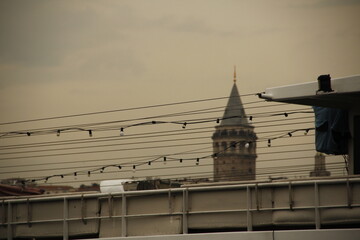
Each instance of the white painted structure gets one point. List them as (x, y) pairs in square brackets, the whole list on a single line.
[(328, 234), (346, 93), (251, 209)]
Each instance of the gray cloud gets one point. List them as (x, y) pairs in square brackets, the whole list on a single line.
[(335, 3), (43, 33), (325, 3)]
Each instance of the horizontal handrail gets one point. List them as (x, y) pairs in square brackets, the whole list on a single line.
[(350, 179)]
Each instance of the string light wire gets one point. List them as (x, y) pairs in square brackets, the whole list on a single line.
[(180, 122), (117, 125), (165, 159), (123, 109), (129, 149)]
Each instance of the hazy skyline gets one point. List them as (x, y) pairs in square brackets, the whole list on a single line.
[(69, 57)]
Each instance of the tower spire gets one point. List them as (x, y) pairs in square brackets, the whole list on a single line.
[(234, 73), (234, 113)]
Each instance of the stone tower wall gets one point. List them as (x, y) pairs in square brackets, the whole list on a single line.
[(234, 150)]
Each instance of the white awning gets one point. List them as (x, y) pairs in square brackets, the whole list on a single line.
[(345, 94)]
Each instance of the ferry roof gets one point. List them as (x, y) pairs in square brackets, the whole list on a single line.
[(346, 92)]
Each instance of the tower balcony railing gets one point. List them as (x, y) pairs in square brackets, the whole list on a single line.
[(244, 135)]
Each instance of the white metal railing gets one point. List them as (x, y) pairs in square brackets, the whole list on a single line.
[(252, 205)]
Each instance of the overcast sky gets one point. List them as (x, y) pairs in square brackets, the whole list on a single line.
[(64, 57), (69, 57)]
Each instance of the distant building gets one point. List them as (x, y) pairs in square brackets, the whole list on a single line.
[(18, 187), (95, 187), (16, 190), (21, 187), (320, 166), (14, 181), (56, 189), (234, 143)]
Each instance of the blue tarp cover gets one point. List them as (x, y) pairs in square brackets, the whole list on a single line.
[(332, 130)]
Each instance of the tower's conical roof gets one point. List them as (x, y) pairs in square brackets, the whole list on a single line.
[(234, 112)]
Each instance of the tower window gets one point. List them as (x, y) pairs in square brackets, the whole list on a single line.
[(216, 147), (233, 146), (224, 145)]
